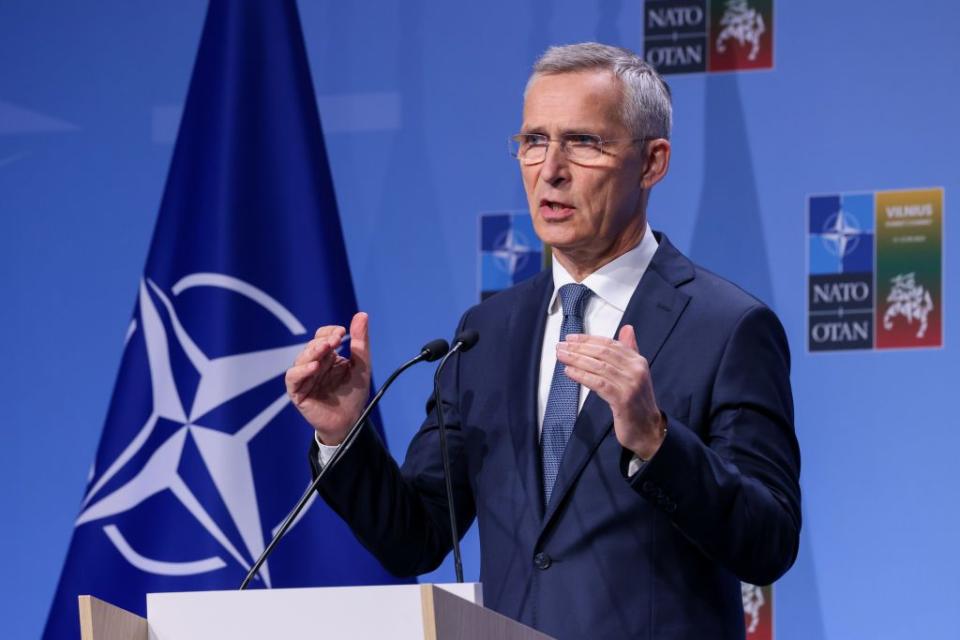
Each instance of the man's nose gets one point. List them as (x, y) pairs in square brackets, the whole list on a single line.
[(555, 168)]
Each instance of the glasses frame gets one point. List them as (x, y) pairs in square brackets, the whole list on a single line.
[(564, 140)]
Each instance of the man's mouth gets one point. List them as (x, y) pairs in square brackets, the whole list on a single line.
[(554, 209)]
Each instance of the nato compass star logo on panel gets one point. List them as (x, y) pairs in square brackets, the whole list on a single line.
[(841, 234), (510, 251), (185, 453), (848, 245)]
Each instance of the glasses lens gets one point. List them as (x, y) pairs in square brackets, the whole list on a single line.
[(583, 147), (530, 148)]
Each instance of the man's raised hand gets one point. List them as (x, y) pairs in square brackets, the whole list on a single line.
[(329, 390)]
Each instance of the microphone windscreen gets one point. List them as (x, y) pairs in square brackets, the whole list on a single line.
[(435, 349), (467, 339)]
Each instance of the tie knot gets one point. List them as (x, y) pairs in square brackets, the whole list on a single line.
[(573, 297)]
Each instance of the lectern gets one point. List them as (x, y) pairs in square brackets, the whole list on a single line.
[(421, 612)]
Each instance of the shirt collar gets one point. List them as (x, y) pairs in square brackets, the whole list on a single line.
[(614, 282)]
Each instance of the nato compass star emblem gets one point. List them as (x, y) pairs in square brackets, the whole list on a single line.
[(225, 455), (509, 251), (841, 233), (512, 250)]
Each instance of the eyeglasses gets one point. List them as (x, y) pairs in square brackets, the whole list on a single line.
[(582, 148)]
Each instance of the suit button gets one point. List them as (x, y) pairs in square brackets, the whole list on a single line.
[(542, 561)]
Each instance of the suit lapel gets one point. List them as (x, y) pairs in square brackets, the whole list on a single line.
[(654, 309), (525, 336)]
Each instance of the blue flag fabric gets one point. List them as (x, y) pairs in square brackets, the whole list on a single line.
[(202, 454)]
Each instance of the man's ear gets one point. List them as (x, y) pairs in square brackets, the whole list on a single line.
[(657, 162)]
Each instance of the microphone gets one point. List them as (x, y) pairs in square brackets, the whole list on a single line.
[(464, 341), (433, 350)]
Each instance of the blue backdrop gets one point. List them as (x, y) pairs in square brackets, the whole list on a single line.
[(417, 99)]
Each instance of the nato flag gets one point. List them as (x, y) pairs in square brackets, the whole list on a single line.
[(202, 455)]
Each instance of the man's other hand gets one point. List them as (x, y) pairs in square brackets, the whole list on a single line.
[(615, 371)]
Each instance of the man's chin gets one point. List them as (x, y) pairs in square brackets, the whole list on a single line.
[(557, 244), (557, 234), (564, 248)]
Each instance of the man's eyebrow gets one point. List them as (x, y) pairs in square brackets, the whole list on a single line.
[(563, 132)]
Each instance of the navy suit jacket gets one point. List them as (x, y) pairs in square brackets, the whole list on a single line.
[(658, 555)]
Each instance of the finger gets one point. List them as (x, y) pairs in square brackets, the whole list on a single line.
[(360, 338), (338, 374), (298, 377), (602, 386), (600, 364), (614, 353), (628, 337), (589, 339), (302, 379), (624, 352), (336, 337), (314, 350), (330, 330)]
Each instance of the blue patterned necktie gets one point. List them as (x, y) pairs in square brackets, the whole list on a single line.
[(564, 398)]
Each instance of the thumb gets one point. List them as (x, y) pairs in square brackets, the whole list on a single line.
[(628, 337), (360, 338)]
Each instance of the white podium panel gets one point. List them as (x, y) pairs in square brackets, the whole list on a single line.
[(331, 612), (415, 612)]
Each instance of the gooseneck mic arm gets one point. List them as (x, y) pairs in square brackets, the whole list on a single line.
[(431, 351), (463, 342)]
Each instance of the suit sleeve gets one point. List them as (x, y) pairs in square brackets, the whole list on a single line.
[(400, 513), (735, 493)]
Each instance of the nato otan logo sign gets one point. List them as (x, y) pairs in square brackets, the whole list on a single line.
[(684, 36), (510, 251), (875, 264)]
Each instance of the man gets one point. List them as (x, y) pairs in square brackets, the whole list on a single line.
[(623, 431)]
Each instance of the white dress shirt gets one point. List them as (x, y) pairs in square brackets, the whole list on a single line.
[(612, 285)]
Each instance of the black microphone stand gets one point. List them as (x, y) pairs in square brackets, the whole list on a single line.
[(462, 342)]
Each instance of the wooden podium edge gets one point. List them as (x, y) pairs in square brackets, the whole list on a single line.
[(429, 612), (449, 617), (100, 620)]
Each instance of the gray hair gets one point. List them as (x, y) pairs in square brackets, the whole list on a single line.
[(646, 105)]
